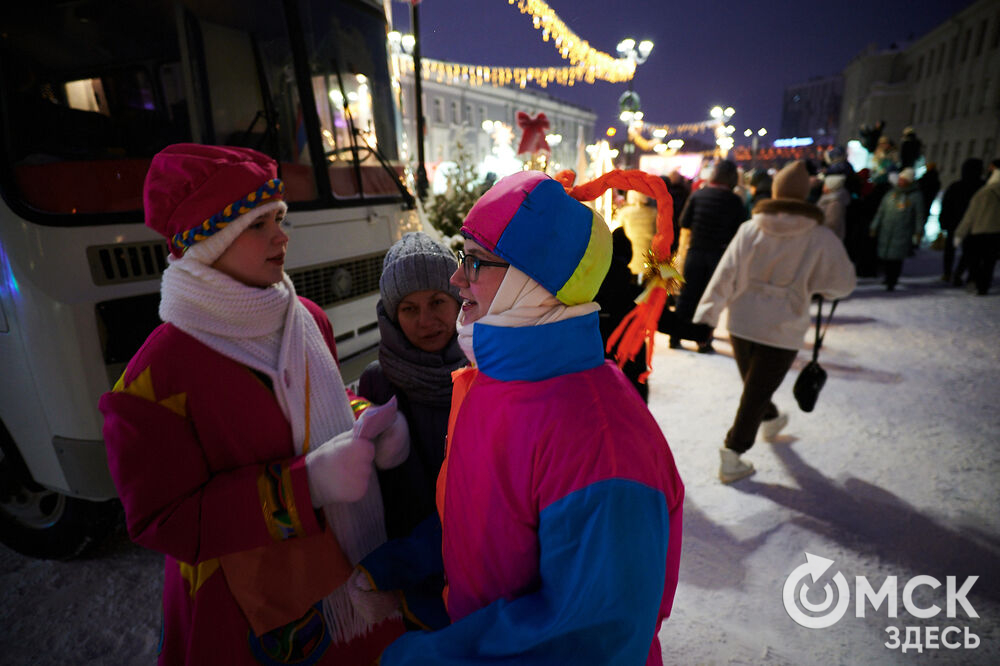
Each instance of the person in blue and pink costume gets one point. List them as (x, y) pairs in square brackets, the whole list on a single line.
[(559, 499)]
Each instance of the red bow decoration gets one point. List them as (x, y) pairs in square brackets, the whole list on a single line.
[(533, 139), (661, 277)]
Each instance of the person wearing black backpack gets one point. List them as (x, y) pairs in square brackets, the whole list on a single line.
[(774, 265)]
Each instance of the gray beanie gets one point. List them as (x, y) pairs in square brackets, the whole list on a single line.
[(414, 263)]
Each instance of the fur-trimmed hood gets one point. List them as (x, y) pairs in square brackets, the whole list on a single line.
[(789, 206)]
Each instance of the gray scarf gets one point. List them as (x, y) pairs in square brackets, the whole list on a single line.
[(424, 377)]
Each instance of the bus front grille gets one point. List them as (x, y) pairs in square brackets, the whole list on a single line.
[(126, 262), (326, 284), (341, 281)]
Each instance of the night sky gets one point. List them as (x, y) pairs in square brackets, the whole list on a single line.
[(739, 54)]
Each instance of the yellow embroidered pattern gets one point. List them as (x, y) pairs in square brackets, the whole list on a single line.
[(197, 574), (142, 387)]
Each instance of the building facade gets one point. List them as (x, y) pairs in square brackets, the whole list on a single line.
[(455, 113), (812, 109), (946, 85)]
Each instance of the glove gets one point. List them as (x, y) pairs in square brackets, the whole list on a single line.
[(373, 605), (340, 469), (387, 428)]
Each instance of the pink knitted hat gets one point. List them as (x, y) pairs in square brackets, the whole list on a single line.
[(193, 191)]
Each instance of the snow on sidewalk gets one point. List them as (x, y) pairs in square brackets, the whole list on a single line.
[(893, 474)]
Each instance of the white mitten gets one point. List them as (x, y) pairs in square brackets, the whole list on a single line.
[(339, 470), (373, 605), (387, 428)]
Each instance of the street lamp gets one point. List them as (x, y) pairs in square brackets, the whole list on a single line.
[(628, 103), (754, 136), (723, 130)]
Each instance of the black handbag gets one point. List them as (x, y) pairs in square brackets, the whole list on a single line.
[(812, 377)]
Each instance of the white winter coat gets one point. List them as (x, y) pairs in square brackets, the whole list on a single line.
[(770, 271)]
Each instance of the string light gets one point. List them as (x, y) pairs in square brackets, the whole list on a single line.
[(587, 65), (571, 47), (478, 75)]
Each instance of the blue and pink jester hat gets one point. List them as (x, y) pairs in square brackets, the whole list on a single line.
[(530, 221)]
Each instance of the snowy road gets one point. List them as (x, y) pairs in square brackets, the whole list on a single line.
[(894, 474)]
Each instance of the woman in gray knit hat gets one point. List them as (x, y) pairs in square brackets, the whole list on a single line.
[(417, 354)]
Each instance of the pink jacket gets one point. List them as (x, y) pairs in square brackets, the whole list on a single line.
[(203, 461), (561, 510)]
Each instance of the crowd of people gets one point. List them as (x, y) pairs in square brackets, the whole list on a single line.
[(496, 489), (761, 244)]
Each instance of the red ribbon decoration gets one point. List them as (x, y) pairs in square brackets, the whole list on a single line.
[(639, 325), (533, 139)]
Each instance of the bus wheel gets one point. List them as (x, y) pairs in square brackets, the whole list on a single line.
[(39, 522)]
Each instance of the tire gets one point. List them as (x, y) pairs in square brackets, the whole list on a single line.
[(45, 524)]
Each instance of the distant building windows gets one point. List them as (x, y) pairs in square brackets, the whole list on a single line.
[(438, 110), (980, 38)]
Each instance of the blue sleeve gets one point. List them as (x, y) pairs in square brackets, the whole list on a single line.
[(400, 563), (603, 552)]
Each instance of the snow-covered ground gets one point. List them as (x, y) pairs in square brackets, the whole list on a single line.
[(894, 474)]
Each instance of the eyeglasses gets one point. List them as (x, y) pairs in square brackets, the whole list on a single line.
[(471, 265)]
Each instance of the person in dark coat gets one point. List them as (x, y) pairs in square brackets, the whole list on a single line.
[(910, 149), (417, 353), (709, 221), (679, 189), (617, 298), (953, 204)]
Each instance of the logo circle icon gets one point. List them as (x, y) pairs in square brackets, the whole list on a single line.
[(814, 567)]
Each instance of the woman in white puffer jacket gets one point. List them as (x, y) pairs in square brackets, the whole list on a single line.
[(767, 277)]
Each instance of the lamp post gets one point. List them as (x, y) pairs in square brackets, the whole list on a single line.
[(628, 103), (754, 136), (418, 94), (723, 130)]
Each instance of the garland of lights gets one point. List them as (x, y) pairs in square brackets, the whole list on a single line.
[(478, 75), (571, 47), (685, 128), (587, 64)]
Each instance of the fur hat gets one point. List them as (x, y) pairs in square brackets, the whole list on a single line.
[(414, 263), (202, 197), (792, 182), (528, 219)]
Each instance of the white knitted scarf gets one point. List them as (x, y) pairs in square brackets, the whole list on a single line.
[(520, 301), (270, 331)]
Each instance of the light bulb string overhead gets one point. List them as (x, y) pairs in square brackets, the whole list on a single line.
[(569, 45), (587, 64), (478, 75)]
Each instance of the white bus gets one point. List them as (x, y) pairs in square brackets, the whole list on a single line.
[(90, 90)]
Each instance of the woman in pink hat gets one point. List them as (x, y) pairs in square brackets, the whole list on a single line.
[(232, 441)]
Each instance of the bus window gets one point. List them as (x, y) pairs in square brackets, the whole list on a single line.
[(353, 93), (91, 90)]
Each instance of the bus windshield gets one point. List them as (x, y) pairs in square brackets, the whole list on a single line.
[(91, 90)]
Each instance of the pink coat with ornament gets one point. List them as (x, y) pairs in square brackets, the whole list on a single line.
[(203, 460)]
